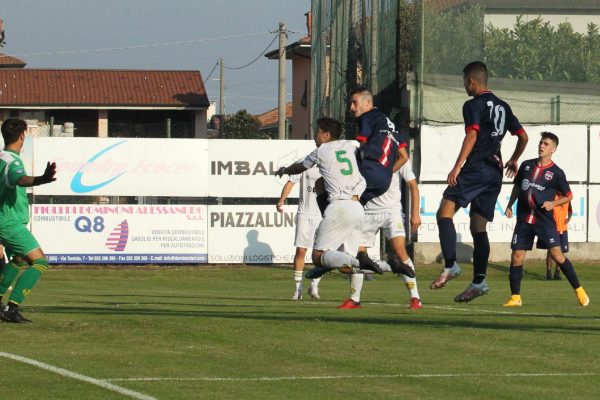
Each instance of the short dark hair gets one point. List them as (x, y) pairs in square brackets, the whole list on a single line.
[(333, 126), (551, 136), (360, 89), (12, 129), (477, 70)]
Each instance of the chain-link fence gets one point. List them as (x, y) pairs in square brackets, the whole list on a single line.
[(543, 59), (357, 42)]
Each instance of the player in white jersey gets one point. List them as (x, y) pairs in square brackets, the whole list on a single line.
[(341, 225), (307, 220), (385, 213)]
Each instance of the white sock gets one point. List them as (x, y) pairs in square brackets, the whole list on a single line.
[(356, 283), (337, 259), (298, 280), (315, 282), (385, 267), (411, 283)]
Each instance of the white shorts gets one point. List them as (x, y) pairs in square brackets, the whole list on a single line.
[(391, 225), (306, 228), (341, 226)]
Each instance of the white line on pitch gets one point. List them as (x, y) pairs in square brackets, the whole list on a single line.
[(74, 375), (331, 377)]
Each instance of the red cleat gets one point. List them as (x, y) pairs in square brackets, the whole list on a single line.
[(415, 304), (348, 304)]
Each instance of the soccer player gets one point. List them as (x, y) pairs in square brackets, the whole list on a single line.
[(342, 222), (536, 184), (382, 150), (307, 220), (476, 177), (562, 216), (22, 248), (385, 213)]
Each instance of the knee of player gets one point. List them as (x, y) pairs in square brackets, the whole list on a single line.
[(557, 255), (316, 257)]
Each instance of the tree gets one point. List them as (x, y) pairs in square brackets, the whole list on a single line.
[(242, 125)]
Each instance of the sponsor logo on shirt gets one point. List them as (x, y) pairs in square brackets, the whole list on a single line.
[(526, 185)]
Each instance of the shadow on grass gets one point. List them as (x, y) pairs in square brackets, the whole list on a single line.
[(433, 321)]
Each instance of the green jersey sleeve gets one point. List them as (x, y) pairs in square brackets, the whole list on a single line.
[(16, 170)]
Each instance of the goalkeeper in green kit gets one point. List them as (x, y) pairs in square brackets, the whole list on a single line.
[(22, 248)]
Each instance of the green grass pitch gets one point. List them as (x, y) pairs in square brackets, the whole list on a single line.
[(232, 333)]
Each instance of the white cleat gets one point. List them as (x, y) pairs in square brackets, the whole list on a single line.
[(297, 296), (313, 292)]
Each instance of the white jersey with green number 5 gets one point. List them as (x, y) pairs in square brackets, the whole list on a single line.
[(337, 164)]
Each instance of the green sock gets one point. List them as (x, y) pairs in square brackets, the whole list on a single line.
[(27, 280), (9, 273)]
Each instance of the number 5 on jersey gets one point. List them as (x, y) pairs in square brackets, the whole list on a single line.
[(339, 155)]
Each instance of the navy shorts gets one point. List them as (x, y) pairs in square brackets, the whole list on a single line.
[(378, 180), (479, 186), (563, 239), (525, 233)]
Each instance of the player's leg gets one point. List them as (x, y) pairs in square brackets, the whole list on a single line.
[(38, 264), (447, 234), (342, 219), (356, 283), (298, 271), (481, 247), (398, 245), (564, 246), (515, 276), (569, 272), (549, 265)]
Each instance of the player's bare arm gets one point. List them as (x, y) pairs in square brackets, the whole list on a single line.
[(401, 159), (415, 204), (512, 164), (465, 150), (48, 176), (513, 196), (549, 205), (285, 192)]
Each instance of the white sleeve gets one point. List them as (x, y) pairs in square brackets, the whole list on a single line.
[(311, 159), (294, 178), (406, 172)]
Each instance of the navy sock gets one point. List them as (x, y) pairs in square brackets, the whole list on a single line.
[(514, 277), (481, 254), (447, 240), (568, 271)]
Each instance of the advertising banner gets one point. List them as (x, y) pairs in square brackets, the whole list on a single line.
[(440, 146), (501, 229), (123, 167), (594, 228), (117, 234), (254, 235), (246, 168), (594, 151)]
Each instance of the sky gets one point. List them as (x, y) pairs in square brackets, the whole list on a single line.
[(148, 34)]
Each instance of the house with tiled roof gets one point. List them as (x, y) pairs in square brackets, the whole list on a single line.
[(105, 103), (299, 53), (269, 120)]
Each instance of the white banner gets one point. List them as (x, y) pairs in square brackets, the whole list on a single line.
[(254, 235), (123, 167), (594, 151), (501, 229), (440, 146), (246, 168), (113, 234), (594, 228)]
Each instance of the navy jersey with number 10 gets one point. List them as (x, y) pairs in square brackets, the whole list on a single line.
[(491, 118)]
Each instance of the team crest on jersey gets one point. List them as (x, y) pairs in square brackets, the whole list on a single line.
[(548, 175)]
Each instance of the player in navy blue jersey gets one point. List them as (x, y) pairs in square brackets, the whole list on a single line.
[(382, 150), (476, 177), (536, 185)]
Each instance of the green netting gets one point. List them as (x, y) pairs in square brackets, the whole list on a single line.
[(355, 42), (548, 72)]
